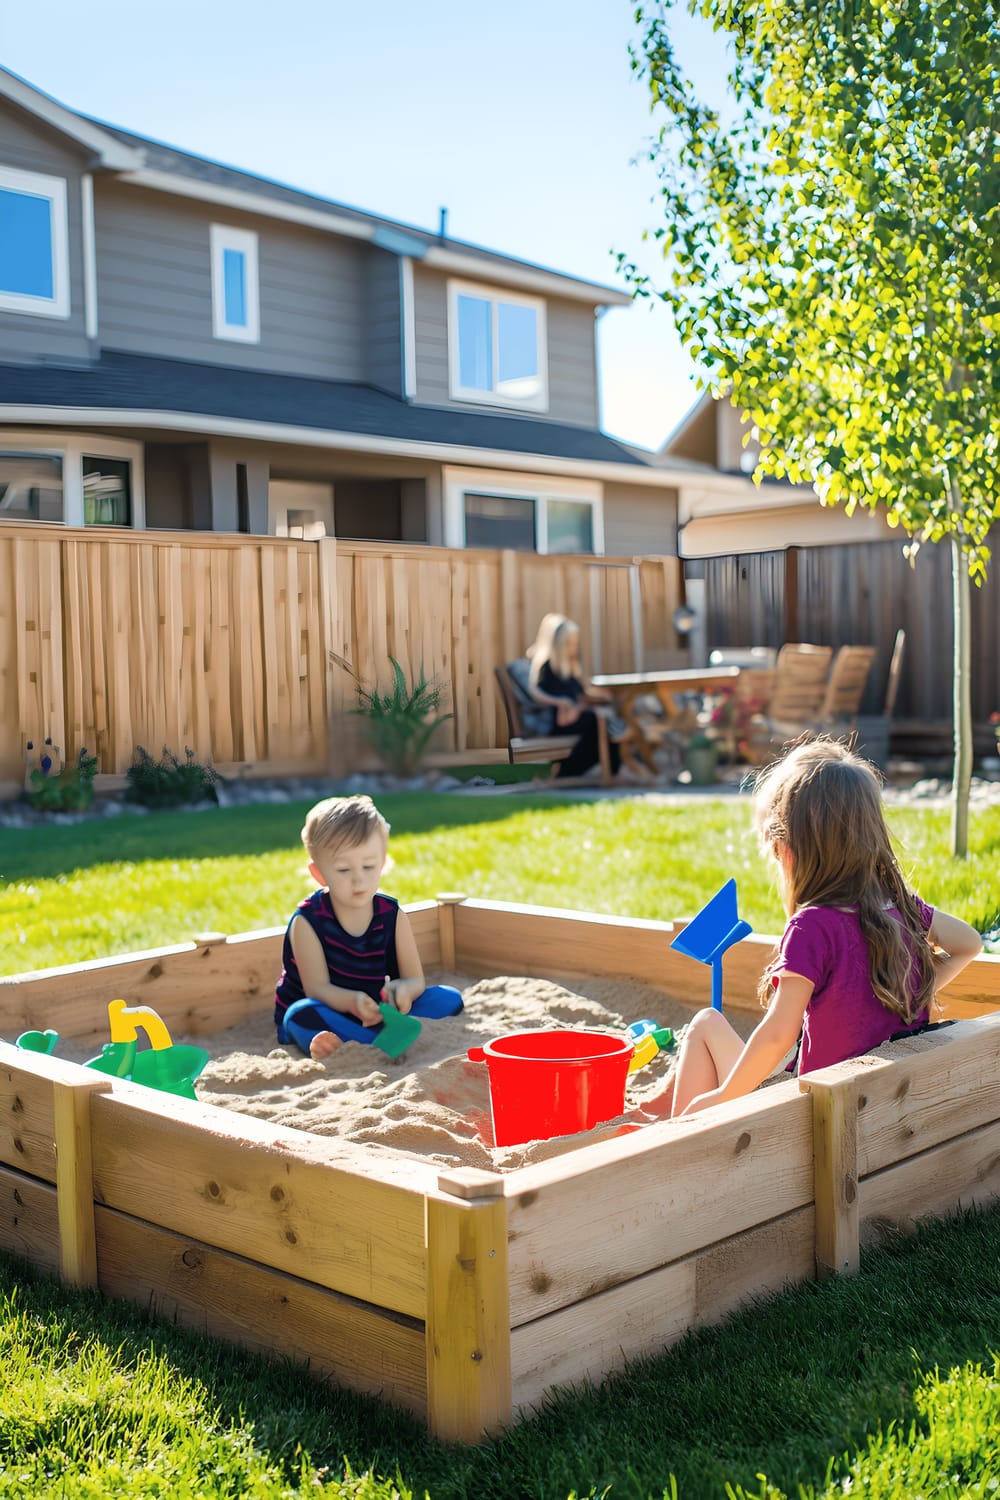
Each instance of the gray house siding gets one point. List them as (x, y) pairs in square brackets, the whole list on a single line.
[(572, 352), (639, 520), (31, 147), (384, 339), (155, 287)]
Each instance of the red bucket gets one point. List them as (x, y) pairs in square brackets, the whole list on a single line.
[(546, 1083)]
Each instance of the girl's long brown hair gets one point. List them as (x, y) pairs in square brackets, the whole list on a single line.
[(825, 803)]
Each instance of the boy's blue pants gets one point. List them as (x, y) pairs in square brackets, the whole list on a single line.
[(306, 1017)]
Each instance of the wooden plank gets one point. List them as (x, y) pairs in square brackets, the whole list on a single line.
[(230, 1297), (468, 1318), (925, 1090), (835, 1155), (196, 988), (961, 1172), (27, 1108), (74, 1175), (591, 1338), (270, 1194), (29, 1220), (592, 1219), (490, 935)]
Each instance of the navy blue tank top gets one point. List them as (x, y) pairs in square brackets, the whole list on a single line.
[(353, 963)]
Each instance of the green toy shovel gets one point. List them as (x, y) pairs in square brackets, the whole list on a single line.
[(398, 1031)]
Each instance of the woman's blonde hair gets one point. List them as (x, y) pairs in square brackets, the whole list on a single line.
[(553, 643), (342, 823), (824, 803)]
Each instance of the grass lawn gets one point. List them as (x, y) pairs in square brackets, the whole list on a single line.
[(70, 893), (884, 1384)]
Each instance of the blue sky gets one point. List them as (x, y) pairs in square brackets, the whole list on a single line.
[(522, 118)]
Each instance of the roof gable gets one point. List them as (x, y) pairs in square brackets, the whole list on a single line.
[(109, 151)]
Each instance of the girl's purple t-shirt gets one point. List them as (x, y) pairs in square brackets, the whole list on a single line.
[(844, 1017)]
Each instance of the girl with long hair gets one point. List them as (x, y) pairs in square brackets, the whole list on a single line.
[(861, 957)]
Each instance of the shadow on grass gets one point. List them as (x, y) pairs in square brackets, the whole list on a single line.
[(43, 852), (783, 1388)]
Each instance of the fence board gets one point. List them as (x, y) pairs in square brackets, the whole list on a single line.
[(221, 643)]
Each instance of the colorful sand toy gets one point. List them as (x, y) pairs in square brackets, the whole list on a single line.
[(707, 936), (648, 1039), (164, 1065)]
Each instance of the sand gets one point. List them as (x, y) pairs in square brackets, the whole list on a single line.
[(433, 1103)]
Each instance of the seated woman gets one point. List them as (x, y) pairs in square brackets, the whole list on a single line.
[(556, 679)]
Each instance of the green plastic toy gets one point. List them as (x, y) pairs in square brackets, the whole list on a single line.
[(398, 1031), (165, 1066)]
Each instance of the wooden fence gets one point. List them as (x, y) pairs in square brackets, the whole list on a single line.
[(248, 649), (861, 594)]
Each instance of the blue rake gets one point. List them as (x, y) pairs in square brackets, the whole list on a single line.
[(716, 927)]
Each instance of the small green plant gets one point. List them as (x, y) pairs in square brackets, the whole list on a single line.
[(169, 781), (399, 724), (53, 787)]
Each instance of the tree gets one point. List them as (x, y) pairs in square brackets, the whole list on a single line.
[(832, 259)]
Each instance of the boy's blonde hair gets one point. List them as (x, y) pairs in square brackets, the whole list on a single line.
[(342, 823)]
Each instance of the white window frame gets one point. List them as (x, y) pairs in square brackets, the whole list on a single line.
[(71, 447), (40, 185), (222, 238), (495, 295), (457, 483)]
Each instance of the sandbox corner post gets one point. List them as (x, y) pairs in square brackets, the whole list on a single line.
[(75, 1176), (835, 1166), (447, 901), (467, 1331)]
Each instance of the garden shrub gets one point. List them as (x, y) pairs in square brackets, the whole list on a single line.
[(169, 781)]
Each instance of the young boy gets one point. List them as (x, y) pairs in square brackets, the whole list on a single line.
[(347, 945)]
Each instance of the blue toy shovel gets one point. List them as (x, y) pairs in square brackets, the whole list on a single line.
[(716, 928)]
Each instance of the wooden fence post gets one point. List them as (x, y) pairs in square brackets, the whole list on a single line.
[(75, 1177), (326, 555), (835, 1159), (447, 901), (468, 1308)]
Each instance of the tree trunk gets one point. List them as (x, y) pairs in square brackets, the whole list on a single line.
[(961, 701)]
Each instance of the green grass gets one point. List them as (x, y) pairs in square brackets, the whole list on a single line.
[(828, 1389), (117, 885), (883, 1384)]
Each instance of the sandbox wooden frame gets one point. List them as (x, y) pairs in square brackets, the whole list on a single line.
[(464, 1295)]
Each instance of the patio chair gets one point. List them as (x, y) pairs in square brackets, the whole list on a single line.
[(797, 688), (528, 721), (845, 686)]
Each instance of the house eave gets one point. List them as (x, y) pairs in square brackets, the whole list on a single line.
[(108, 151), (354, 442)]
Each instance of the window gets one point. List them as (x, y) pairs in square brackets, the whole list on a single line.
[(500, 521), (497, 347), (31, 487), (34, 244), (235, 296), (525, 512), (107, 491), (79, 481)]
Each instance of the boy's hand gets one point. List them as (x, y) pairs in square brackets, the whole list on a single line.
[(366, 1009), (399, 992)]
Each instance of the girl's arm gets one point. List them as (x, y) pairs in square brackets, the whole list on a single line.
[(315, 976), (776, 1035), (960, 943), (411, 983)]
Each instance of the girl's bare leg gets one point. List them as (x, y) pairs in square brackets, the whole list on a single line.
[(708, 1052)]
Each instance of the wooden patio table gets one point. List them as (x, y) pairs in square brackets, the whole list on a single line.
[(626, 687)]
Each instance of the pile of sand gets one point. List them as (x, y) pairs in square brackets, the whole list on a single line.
[(433, 1102)]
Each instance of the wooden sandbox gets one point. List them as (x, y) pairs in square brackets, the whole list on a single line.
[(465, 1295)]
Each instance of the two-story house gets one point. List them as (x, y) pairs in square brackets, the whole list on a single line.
[(187, 345)]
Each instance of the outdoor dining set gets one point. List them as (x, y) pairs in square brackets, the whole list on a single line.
[(739, 708)]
